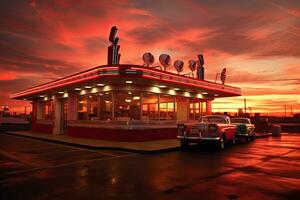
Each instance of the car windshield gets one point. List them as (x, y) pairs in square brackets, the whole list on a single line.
[(213, 119), (239, 121)]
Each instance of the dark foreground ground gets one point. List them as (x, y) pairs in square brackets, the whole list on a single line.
[(267, 168)]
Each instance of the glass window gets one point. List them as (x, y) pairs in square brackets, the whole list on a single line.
[(93, 106), (149, 106), (167, 107), (48, 110), (106, 109), (127, 106), (83, 108), (191, 109)]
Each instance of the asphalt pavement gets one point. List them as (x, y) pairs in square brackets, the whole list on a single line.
[(266, 168)]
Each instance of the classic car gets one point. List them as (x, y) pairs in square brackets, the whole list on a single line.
[(244, 128), (215, 128)]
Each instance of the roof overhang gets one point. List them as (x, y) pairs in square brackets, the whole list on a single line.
[(140, 75)]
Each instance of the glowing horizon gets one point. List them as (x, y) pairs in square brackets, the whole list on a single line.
[(257, 41)]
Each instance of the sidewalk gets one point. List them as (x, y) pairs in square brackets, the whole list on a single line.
[(142, 147)]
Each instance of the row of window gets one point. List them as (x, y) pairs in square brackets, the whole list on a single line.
[(129, 106)]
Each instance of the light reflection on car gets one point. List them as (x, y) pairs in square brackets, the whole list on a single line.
[(213, 128), (244, 128)]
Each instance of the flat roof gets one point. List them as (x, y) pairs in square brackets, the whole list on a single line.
[(118, 74)]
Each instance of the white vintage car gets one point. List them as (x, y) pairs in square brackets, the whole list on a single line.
[(244, 128)]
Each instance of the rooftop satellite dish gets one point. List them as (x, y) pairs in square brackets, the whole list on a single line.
[(178, 64), (165, 60), (192, 65), (148, 59)]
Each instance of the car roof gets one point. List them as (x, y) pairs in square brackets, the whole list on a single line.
[(223, 116), (240, 118)]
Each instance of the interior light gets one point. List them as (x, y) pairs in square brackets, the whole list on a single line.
[(176, 89), (128, 82), (100, 84), (60, 92), (129, 92), (100, 94), (77, 89), (42, 96), (88, 87), (136, 98), (162, 86), (216, 95), (204, 93), (128, 100)]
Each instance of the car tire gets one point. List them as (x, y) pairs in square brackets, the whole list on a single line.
[(248, 139), (221, 143), (184, 144), (233, 142)]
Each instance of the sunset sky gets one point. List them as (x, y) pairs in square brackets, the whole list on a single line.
[(257, 41)]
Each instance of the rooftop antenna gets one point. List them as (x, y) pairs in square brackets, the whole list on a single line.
[(113, 55), (165, 61), (223, 76), (200, 68), (178, 64)]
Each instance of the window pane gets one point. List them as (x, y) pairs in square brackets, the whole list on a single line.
[(105, 106), (167, 109), (150, 106), (82, 108), (127, 106), (48, 110)]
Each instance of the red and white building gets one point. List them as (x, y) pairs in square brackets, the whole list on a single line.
[(121, 102)]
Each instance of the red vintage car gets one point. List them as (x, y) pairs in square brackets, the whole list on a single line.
[(214, 128)]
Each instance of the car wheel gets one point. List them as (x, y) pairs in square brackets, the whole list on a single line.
[(233, 140), (221, 143), (248, 139), (184, 144)]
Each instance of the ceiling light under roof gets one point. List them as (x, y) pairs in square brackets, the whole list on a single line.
[(216, 95), (60, 92), (100, 84), (128, 100), (176, 89), (42, 96), (204, 93), (162, 86), (128, 82), (77, 89), (87, 87)]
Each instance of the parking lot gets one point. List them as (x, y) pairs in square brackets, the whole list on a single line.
[(266, 168)]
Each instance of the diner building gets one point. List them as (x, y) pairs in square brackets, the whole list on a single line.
[(121, 102)]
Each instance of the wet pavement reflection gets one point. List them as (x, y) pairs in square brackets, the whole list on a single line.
[(267, 168)]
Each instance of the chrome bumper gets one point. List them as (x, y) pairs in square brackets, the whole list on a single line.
[(198, 138)]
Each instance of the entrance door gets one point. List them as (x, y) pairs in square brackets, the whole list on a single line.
[(63, 119)]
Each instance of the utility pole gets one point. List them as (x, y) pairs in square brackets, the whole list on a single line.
[(284, 110), (245, 105)]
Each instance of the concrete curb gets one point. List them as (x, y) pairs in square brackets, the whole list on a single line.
[(95, 147)]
